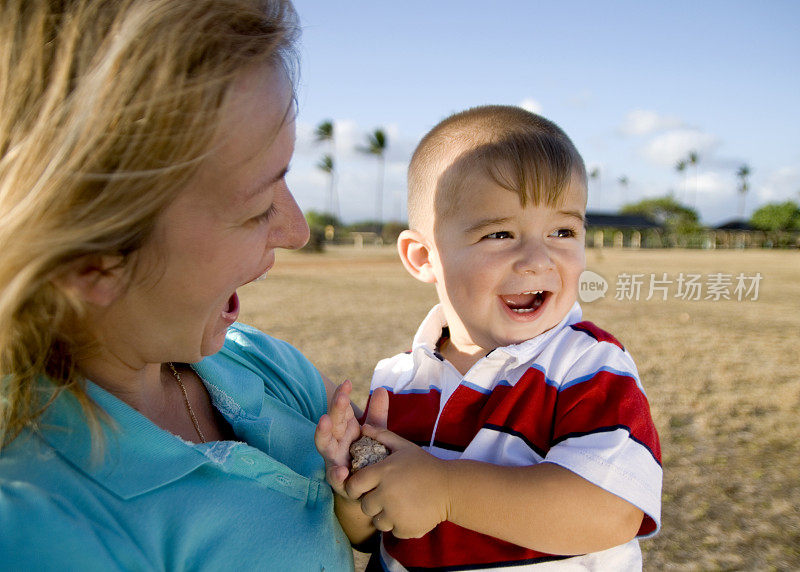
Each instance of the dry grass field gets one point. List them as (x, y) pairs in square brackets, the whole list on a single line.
[(722, 377)]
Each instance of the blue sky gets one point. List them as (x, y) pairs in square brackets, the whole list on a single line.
[(636, 85)]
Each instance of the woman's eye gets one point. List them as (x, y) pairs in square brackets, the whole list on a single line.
[(563, 233), (266, 215), (499, 235)]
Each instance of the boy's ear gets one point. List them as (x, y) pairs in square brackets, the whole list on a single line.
[(95, 279), (415, 253)]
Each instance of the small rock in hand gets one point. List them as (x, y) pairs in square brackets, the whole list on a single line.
[(366, 451)]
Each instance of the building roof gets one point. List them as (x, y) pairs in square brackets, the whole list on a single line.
[(735, 224), (612, 220)]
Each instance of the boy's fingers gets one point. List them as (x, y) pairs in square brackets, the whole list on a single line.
[(381, 522), (362, 481), (337, 475), (378, 412), (392, 440)]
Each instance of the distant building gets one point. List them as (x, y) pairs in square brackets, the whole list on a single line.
[(620, 221), (735, 224), (618, 230)]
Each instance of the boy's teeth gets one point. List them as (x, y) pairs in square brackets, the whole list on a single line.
[(525, 302)]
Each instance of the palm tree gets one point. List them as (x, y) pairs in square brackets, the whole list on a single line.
[(623, 183), (594, 174), (694, 159), (743, 173), (325, 133), (326, 165), (376, 145), (680, 166)]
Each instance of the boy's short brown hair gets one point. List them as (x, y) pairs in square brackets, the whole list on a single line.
[(519, 150)]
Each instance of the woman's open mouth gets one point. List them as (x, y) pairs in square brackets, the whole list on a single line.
[(231, 311), (526, 303)]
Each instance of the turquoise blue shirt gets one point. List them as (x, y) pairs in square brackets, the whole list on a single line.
[(156, 502)]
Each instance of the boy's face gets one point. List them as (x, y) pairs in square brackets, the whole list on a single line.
[(504, 273)]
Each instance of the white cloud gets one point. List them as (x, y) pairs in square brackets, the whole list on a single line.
[(530, 104), (348, 137), (711, 183), (645, 122), (670, 147), (783, 184)]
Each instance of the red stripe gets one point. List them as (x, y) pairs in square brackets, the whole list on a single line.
[(413, 415), (451, 545), (461, 418), (606, 400), (648, 526), (597, 333), (525, 409)]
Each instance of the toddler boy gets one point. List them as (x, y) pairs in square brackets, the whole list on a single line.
[(520, 435)]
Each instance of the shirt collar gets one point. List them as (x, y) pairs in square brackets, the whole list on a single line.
[(138, 456), (430, 331)]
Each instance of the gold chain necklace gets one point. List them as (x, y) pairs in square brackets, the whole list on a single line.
[(186, 401)]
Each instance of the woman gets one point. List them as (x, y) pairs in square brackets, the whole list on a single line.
[(144, 146)]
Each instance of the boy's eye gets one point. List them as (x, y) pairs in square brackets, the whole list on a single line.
[(563, 233), (502, 234)]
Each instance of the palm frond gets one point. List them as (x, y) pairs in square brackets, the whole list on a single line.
[(324, 131)]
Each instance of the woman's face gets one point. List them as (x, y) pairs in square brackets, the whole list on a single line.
[(219, 234)]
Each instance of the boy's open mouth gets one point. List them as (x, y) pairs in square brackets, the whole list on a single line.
[(526, 302)]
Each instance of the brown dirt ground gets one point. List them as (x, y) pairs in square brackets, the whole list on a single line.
[(722, 377)]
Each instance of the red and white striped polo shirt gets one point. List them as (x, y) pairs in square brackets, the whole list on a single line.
[(570, 396)]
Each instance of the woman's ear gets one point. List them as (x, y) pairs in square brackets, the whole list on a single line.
[(95, 279), (415, 253)]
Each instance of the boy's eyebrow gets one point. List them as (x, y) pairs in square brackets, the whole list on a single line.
[(489, 222), (575, 214), (485, 223)]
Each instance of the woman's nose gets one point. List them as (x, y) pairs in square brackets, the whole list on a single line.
[(291, 230)]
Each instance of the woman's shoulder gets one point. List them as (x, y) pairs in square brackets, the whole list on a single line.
[(29, 512), (251, 356), (250, 346)]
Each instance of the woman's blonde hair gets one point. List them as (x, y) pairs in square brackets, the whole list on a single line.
[(106, 109)]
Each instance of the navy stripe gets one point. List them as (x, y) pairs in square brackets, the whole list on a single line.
[(608, 430), (505, 564), (509, 431), (588, 332)]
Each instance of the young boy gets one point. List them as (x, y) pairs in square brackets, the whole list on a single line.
[(520, 435)]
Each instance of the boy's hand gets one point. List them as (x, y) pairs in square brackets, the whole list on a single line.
[(406, 493), (338, 428)]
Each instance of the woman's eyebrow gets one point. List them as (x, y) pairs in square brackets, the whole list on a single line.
[(264, 185)]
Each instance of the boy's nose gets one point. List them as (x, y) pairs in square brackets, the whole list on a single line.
[(533, 257)]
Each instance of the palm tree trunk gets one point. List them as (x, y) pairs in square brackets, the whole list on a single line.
[(379, 192)]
